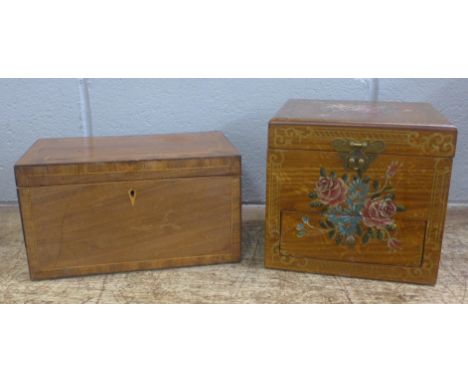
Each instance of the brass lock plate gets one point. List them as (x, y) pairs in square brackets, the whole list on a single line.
[(357, 155)]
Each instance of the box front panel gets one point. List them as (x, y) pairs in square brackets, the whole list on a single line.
[(80, 229), (384, 220)]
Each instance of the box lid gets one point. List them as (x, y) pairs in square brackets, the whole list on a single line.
[(98, 159), (406, 127)]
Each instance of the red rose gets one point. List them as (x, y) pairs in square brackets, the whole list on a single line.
[(378, 212), (330, 190)]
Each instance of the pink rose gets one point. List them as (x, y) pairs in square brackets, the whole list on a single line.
[(378, 212), (331, 191), (392, 169), (393, 243)]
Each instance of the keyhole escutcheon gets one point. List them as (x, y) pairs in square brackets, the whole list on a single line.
[(132, 196)]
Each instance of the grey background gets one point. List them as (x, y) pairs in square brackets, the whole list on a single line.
[(241, 108)]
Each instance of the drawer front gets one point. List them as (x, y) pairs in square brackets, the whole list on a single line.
[(94, 228), (325, 241), (382, 221)]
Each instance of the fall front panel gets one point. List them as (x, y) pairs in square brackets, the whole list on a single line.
[(374, 216)]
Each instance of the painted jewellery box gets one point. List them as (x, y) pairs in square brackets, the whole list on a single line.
[(358, 189)]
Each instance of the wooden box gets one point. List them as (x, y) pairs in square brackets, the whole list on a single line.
[(109, 204), (358, 189)]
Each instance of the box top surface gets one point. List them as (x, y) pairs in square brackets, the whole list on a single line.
[(64, 161), (362, 113), (128, 149)]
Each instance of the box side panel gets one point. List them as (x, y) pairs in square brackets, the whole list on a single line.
[(27, 223), (236, 218)]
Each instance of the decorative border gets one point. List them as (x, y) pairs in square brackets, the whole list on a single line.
[(59, 174), (426, 143), (435, 144), (275, 161), (436, 219)]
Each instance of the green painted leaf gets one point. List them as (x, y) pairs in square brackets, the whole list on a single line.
[(338, 239), (370, 233), (300, 233), (322, 224), (365, 238), (313, 195), (400, 208), (391, 227), (380, 235), (358, 230), (331, 234), (345, 177), (305, 219), (323, 172), (300, 227), (391, 196), (315, 204), (375, 184)]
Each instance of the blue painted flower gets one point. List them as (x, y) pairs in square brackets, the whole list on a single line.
[(357, 194), (338, 210), (347, 225)]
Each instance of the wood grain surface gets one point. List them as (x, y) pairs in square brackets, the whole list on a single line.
[(85, 229), (126, 148), (244, 282)]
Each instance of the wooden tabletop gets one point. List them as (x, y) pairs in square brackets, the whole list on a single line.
[(246, 282)]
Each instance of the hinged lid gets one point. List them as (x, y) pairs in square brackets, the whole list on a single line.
[(405, 128), (101, 159)]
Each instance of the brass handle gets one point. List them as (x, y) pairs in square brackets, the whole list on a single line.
[(358, 144)]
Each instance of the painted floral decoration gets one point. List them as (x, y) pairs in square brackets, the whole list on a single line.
[(355, 208)]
